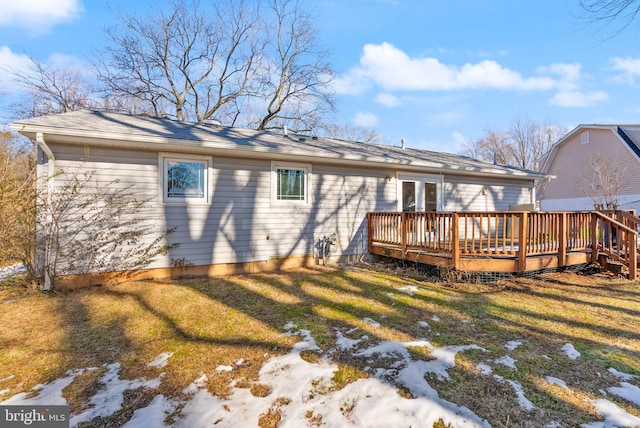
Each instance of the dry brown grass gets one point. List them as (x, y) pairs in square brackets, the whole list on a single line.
[(213, 322)]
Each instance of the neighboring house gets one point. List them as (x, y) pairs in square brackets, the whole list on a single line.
[(593, 165), (257, 198)]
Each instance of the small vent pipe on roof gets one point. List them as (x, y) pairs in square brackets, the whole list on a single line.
[(402, 142), (285, 131)]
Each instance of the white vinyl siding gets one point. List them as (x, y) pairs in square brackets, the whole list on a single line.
[(481, 194), (242, 224)]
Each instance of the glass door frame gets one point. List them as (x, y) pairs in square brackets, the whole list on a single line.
[(420, 180)]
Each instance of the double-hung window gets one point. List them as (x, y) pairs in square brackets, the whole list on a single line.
[(185, 179), (290, 182)]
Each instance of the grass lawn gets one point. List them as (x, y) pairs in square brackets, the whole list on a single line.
[(238, 321)]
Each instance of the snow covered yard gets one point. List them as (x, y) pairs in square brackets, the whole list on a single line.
[(330, 348)]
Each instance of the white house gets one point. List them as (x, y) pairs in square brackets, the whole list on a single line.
[(245, 200)]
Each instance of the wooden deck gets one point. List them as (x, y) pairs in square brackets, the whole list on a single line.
[(514, 242)]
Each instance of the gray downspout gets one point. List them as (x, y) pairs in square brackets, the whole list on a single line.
[(50, 177)]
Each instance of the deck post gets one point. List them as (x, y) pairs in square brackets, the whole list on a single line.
[(562, 240), (370, 232), (455, 244), (632, 245), (594, 237), (403, 233), (522, 243)]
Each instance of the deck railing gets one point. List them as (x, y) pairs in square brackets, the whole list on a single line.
[(508, 234)]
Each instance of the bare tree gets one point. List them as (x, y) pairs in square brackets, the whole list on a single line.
[(522, 146), (85, 225), (53, 89), (295, 76), (352, 133), (17, 196), (603, 182), (185, 62), (238, 63), (610, 10), (530, 140), (493, 147)]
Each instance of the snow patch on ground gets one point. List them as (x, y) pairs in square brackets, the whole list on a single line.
[(613, 416), (485, 369), (556, 381), (408, 289), (346, 343), (154, 414), (620, 375), (372, 322), (110, 397), (513, 344), (11, 271), (523, 401), (507, 361), (571, 352), (161, 360), (525, 404), (49, 394), (628, 392), (424, 324), (307, 389), (300, 390)]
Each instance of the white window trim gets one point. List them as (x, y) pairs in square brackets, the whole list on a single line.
[(162, 175), (420, 178), (585, 137), (274, 182)]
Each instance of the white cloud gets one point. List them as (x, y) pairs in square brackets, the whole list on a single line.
[(568, 83), (38, 16), (388, 100), (365, 119), (389, 68), (629, 68), (578, 98), (392, 69), (65, 61), (569, 75), (11, 62), (352, 83)]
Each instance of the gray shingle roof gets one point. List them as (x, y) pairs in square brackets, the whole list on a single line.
[(190, 136)]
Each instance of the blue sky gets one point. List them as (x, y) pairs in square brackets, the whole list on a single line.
[(435, 73)]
